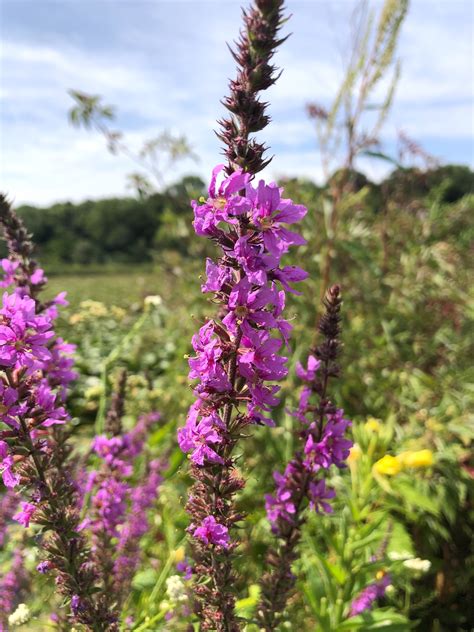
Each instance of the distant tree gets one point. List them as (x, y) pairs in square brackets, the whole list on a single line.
[(115, 229), (156, 156)]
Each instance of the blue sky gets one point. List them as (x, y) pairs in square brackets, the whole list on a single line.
[(165, 65)]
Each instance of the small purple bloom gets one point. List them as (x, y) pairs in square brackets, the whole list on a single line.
[(25, 514), (211, 532), (366, 599)]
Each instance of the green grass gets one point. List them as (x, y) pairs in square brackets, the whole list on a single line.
[(125, 286)]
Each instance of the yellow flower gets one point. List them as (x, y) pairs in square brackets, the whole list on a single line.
[(179, 554), (388, 465), (118, 312), (372, 424), (418, 458), (354, 454), (74, 319), (94, 308)]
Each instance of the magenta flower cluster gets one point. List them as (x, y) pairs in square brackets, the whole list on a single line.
[(36, 369), (117, 517), (366, 599), (249, 223), (325, 444)]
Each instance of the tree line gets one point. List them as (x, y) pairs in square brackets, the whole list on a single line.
[(129, 230)]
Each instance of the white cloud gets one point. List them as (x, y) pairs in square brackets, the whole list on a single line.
[(166, 65)]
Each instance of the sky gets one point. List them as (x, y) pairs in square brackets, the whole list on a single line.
[(164, 64)]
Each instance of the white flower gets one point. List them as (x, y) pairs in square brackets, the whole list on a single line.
[(395, 556), (20, 616), (417, 564), (153, 300), (175, 589)]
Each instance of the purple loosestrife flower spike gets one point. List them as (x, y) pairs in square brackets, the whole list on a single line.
[(35, 370), (117, 517), (302, 484), (253, 52), (237, 354)]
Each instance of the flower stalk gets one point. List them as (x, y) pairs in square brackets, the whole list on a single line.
[(322, 444), (237, 355), (35, 370)]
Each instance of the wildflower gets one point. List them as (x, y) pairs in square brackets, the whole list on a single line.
[(44, 567), (236, 358), (302, 484), (186, 568), (175, 589), (270, 212), (419, 458), (369, 595), (199, 436), (10, 479), (8, 505), (153, 300), (417, 564), (21, 615), (33, 379), (372, 425), (117, 518), (24, 515), (399, 555), (211, 532), (355, 454), (388, 465)]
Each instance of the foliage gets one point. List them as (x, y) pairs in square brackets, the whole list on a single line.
[(406, 362)]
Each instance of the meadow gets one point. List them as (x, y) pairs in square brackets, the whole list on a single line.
[(402, 508)]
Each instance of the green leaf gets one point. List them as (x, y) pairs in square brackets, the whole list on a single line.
[(385, 619)]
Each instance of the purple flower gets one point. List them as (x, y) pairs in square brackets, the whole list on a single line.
[(186, 568), (9, 267), (223, 204), (290, 274), (44, 567), (23, 335), (366, 599), (46, 401), (309, 373), (76, 604), (281, 505), (211, 532), (247, 307), (10, 479), (318, 495), (24, 515), (255, 262), (199, 434), (259, 358), (217, 276), (270, 212), (206, 365), (238, 355)]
